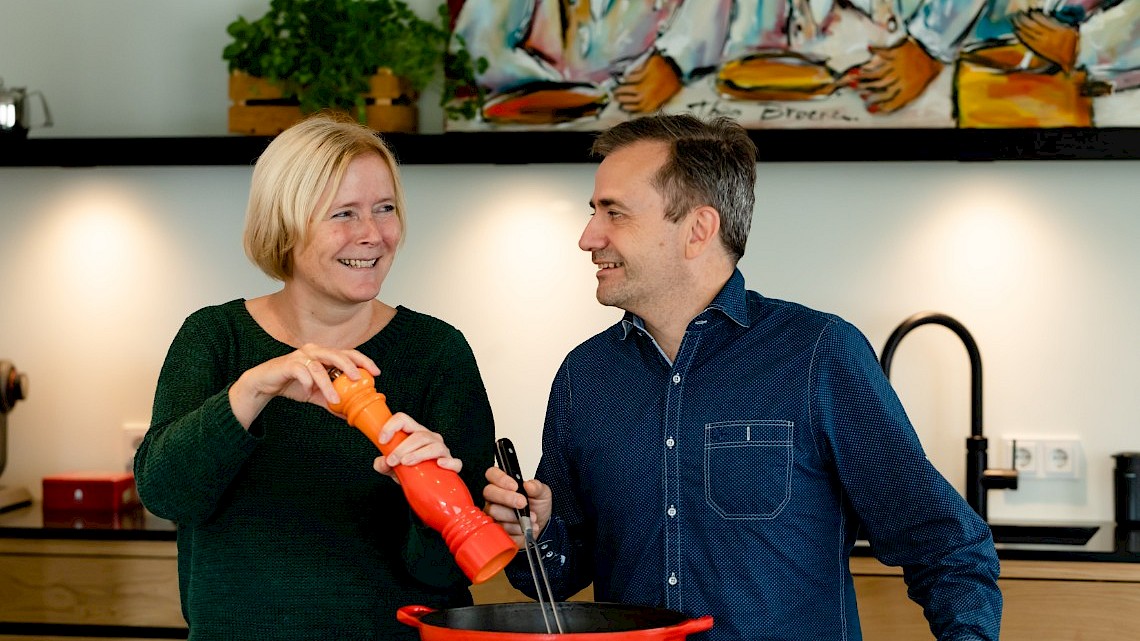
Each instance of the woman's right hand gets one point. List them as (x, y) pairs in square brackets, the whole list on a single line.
[(301, 376), (502, 499)]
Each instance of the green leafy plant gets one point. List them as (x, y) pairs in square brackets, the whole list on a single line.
[(323, 52), (462, 97)]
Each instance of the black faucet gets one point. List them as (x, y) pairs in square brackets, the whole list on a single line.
[(979, 479)]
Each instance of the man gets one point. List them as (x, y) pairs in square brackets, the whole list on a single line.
[(716, 451)]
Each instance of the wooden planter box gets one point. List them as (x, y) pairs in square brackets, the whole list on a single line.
[(257, 108)]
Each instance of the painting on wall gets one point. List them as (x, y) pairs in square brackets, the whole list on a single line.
[(582, 65)]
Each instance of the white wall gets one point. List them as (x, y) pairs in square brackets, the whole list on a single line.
[(101, 265)]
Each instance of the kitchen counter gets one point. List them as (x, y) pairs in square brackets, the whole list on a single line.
[(117, 578), (1057, 592), (1086, 592), (131, 525), (1109, 544), (1106, 545), (88, 575)]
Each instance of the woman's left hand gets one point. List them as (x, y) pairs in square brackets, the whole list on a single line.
[(420, 445)]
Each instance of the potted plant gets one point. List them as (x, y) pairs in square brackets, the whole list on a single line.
[(361, 56)]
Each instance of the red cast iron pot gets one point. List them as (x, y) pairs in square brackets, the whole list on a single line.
[(582, 621)]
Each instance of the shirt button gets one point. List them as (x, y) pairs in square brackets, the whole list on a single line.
[(673, 579), (676, 378), (672, 511), (669, 442)]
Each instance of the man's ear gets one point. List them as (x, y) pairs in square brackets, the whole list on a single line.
[(704, 230)]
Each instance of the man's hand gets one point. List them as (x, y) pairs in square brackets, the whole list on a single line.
[(502, 499), (1048, 37), (895, 76), (647, 87)]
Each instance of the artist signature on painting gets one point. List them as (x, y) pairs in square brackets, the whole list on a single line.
[(796, 114), (771, 112), (709, 109)]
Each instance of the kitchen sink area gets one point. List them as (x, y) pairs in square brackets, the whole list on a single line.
[(1043, 533), (1067, 541), (1098, 541), (981, 479)]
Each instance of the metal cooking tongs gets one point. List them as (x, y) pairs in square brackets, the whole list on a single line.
[(509, 463)]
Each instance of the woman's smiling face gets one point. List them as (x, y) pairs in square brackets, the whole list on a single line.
[(352, 244)]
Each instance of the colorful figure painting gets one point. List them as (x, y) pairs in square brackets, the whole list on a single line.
[(587, 64)]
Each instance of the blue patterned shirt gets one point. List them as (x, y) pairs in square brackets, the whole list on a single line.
[(733, 481)]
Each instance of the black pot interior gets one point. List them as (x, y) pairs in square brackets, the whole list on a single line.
[(576, 617)]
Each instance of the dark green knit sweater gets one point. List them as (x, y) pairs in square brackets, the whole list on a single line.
[(285, 531)]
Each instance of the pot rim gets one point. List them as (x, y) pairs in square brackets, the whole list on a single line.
[(411, 615)]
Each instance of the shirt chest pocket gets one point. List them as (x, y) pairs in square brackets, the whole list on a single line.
[(748, 468)]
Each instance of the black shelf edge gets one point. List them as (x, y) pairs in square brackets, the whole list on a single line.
[(545, 147), (128, 152)]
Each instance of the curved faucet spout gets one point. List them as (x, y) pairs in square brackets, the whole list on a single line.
[(979, 479), (935, 318)]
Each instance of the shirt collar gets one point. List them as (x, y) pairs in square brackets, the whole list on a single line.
[(731, 301)]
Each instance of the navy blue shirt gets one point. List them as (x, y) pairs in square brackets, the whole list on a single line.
[(733, 481)]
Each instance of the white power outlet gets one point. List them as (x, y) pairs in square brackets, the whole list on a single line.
[(132, 436), (1027, 457), (1024, 454), (1061, 458)]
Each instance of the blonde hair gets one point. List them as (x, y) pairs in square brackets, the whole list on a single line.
[(300, 165)]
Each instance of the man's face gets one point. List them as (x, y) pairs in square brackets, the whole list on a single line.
[(638, 253)]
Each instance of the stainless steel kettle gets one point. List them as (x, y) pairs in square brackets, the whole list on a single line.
[(14, 111)]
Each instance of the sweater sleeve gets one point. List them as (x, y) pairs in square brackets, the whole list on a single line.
[(195, 446)]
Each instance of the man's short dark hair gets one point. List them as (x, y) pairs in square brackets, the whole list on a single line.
[(710, 163)]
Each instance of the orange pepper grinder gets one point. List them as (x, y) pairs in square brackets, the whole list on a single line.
[(438, 496)]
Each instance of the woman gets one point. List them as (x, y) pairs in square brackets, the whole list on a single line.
[(284, 531)]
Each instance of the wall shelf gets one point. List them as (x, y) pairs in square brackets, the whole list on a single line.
[(510, 148)]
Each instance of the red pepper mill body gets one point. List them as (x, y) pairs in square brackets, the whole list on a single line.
[(438, 496)]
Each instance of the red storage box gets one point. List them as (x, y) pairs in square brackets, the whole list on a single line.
[(90, 492)]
